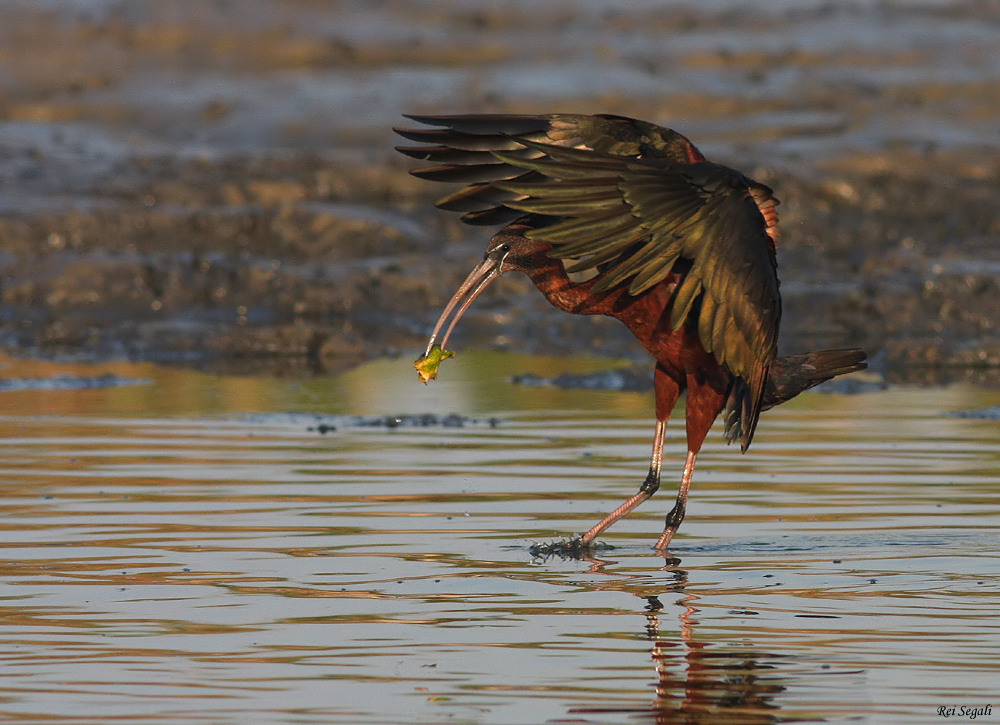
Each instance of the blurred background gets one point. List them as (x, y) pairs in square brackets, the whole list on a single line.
[(214, 184)]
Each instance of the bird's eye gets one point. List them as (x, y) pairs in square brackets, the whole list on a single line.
[(500, 249)]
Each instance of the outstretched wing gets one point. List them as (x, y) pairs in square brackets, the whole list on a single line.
[(461, 151), (633, 199)]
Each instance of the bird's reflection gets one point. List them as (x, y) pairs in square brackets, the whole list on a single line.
[(700, 682)]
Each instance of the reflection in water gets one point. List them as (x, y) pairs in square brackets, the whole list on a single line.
[(188, 551), (705, 684), (697, 682)]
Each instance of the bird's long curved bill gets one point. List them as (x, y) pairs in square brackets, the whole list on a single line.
[(477, 281)]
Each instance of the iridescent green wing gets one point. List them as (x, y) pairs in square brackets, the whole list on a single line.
[(460, 151)]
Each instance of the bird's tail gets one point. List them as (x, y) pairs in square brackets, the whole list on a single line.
[(789, 376)]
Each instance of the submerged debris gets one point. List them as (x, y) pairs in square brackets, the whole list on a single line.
[(424, 420), (69, 382), (635, 379), (983, 413), (566, 549), (323, 424), (330, 423)]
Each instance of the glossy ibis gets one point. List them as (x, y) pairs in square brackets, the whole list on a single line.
[(680, 249)]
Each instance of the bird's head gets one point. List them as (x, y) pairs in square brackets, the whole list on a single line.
[(507, 251), (514, 252)]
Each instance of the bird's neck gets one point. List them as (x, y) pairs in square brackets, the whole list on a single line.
[(549, 276), (647, 315)]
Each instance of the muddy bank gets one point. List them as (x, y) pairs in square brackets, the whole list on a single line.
[(300, 265), (218, 189)]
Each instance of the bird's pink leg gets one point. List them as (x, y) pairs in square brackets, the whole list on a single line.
[(647, 489), (676, 514), (704, 403), (667, 391)]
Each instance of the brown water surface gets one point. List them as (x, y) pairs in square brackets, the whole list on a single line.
[(186, 549)]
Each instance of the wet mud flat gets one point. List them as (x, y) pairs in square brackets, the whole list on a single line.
[(200, 185)]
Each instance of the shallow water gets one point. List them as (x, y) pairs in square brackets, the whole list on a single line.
[(187, 549)]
